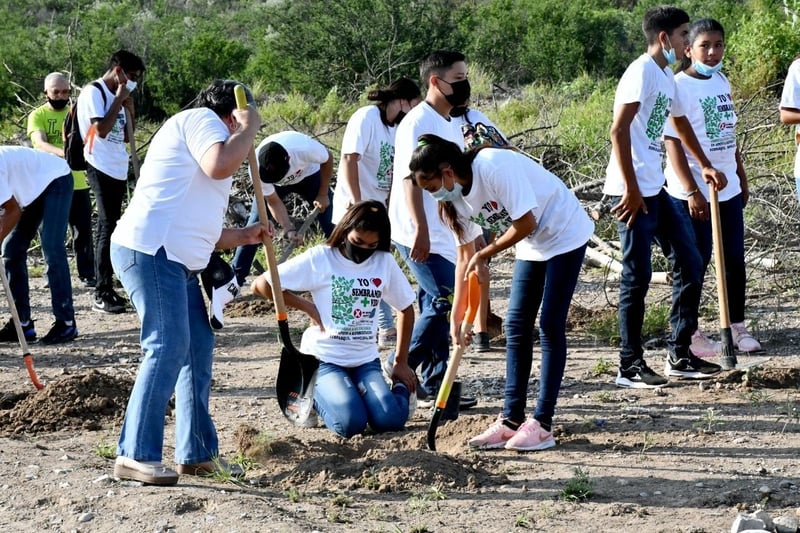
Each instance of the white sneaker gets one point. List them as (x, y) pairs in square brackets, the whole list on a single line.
[(742, 338), (702, 346)]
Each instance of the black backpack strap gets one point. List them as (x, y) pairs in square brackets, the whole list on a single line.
[(102, 92)]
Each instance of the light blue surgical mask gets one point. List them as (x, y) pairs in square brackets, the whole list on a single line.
[(670, 56), (705, 70), (443, 195)]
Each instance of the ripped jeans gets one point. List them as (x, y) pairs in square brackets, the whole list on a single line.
[(430, 340)]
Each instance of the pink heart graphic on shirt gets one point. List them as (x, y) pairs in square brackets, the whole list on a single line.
[(494, 204), (376, 281)]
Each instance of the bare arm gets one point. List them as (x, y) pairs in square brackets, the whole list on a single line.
[(9, 218), (689, 139), (401, 371), (261, 287), (416, 208), (350, 165), (697, 202), (40, 143), (631, 202), (252, 234), (221, 160), (121, 98), (325, 173), (790, 115)]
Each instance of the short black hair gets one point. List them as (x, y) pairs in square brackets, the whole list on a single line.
[(439, 62), (662, 18), (129, 61), (219, 97)]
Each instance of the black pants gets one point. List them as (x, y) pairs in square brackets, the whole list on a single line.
[(108, 194), (80, 223)]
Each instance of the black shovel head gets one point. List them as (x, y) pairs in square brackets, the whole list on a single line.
[(294, 386)]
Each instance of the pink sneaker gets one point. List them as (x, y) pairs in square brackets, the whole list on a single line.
[(742, 338), (702, 346), (495, 437), (530, 436)]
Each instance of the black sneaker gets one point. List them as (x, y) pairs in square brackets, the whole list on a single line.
[(638, 375), (9, 332), (480, 343), (60, 332), (109, 302), (89, 282), (467, 402), (689, 366)]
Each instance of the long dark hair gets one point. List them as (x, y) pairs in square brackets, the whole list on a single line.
[(698, 28), (369, 215), (402, 89), (431, 155)]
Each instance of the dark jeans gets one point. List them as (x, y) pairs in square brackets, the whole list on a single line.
[(669, 226), (549, 285), (50, 210), (430, 340), (308, 189), (108, 194), (80, 222), (732, 229)]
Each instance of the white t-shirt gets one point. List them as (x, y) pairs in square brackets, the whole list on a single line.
[(420, 120), (505, 186), (709, 109), (175, 204), (305, 157), (368, 136), (108, 155), (790, 97), (654, 88), (347, 296), (25, 173)]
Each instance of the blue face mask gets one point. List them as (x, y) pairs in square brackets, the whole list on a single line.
[(443, 195), (670, 56), (705, 70)]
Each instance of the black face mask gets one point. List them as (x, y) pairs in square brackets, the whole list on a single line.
[(400, 116), (356, 254), (57, 104), (461, 92)]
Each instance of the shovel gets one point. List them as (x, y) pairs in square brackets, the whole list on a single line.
[(297, 372), (728, 357), (473, 299), (26, 353)]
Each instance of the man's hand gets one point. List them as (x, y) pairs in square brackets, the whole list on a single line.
[(322, 202), (698, 206), (402, 372), (715, 178), (422, 247), (629, 206)]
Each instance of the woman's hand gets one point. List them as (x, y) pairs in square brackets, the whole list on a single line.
[(402, 372), (698, 207)]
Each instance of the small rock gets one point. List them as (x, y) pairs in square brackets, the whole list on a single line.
[(740, 440), (65, 457), (85, 517), (764, 489), (105, 478), (744, 523), (785, 484), (785, 524), (699, 485), (643, 495)]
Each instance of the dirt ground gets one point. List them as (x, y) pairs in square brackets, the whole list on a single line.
[(685, 458)]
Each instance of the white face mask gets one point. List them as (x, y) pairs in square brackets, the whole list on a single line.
[(130, 85)]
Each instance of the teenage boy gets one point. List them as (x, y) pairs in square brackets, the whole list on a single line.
[(102, 109), (421, 238), (289, 162), (643, 208)]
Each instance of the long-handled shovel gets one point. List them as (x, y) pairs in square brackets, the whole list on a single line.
[(134, 155), (728, 357), (26, 354), (297, 372), (473, 299), (287, 251)]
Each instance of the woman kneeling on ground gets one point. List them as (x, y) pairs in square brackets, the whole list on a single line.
[(348, 276), (509, 194)]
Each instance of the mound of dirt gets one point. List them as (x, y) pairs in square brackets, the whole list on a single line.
[(249, 306), (78, 401), (392, 462)]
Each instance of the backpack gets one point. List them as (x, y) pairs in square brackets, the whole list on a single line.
[(478, 135), (71, 134)]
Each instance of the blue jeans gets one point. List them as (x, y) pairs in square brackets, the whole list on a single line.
[(669, 226), (177, 342), (732, 229), (430, 340), (385, 316), (549, 285), (348, 399), (50, 210), (308, 189)]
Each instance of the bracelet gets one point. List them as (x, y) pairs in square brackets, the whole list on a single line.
[(689, 194)]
